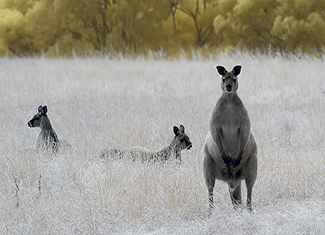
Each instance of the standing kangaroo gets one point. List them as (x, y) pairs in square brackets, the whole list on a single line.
[(180, 142), (46, 139), (230, 149)]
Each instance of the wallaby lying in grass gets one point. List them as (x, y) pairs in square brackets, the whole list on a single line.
[(47, 138), (180, 142), (230, 149)]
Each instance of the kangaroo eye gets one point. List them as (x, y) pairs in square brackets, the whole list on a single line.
[(235, 80)]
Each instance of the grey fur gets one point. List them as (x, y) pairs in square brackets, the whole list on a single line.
[(230, 151), (180, 142), (47, 138)]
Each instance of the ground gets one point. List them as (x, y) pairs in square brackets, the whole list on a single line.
[(98, 103)]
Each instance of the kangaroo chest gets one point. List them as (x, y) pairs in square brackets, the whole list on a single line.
[(229, 126), (230, 116)]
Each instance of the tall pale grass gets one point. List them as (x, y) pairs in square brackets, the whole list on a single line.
[(101, 103)]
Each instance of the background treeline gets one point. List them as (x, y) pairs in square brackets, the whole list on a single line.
[(169, 27)]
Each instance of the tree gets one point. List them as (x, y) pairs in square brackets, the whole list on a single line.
[(285, 26), (173, 8), (300, 26), (13, 38), (195, 14)]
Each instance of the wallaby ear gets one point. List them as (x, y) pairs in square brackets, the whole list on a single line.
[(236, 70), (176, 130), (221, 70), (44, 110), (181, 129)]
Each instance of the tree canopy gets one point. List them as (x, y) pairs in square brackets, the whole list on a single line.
[(83, 27)]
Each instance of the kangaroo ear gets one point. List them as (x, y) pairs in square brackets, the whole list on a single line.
[(44, 111), (221, 70), (40, 109), (236, 70), (181, 129), (176, 130)]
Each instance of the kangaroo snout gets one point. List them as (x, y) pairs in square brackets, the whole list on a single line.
[(228, 87), (189, 145)]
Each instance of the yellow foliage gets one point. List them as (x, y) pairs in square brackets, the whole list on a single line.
[(66, 45), (226, 6), (279, 25), (248, 9), (296, 8), (221, 24), (67, 27), (19, 5), (315, 23), (301, 34), (11, 24)]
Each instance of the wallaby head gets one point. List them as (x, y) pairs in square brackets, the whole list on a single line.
[(229, 82), (181, 140), (36, 120)]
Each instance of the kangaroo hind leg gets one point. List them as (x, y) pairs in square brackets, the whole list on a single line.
[(250, 179), (235, 194), (249, 184), (209, 176)]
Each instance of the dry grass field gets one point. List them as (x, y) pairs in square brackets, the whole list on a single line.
[(102, 103)]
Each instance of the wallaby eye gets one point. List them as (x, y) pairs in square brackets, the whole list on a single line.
[(235, 80)]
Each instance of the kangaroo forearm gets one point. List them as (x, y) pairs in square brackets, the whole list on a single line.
[(220, 144), (242, 145)]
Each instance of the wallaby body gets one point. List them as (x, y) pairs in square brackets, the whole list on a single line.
[(47, 138), (180, 142), (230, 151)]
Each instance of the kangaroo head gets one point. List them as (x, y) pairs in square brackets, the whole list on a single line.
[(229, 82), (182, 141), (36, 120)]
